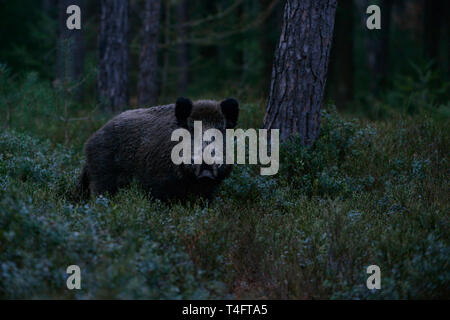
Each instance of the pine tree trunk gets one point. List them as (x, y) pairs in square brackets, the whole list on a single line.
[(433, 14), (70, 52), (210, 51), (382, 64), (182, 48), (239, 55), (300, 69), (148, 83), (166, 57), (447, 9), (113, 55), (48, 6), (341, 59)]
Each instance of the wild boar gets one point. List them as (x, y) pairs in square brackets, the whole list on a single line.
[(136, 144)]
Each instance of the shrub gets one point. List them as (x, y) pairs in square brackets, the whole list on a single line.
[(328, 167)]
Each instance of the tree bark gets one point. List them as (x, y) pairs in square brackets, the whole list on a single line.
[(382, 62), (377, 44), (166, 57), (300, 69), (210, 51), (447, 9), (341, 59), (239, 54), (148, 86), (113, 55), (70, 51), (48, 6), (433, 14), (182, 48)]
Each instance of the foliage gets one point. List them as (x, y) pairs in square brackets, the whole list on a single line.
[(328, 168), (29, 104), (28, 37), (369, 191), (126, 248), (365, 193)]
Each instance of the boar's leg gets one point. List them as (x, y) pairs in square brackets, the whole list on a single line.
[(103, 182)]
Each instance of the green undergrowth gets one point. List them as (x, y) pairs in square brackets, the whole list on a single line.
[(367, 193)]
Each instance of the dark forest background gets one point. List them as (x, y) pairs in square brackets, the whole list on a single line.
[(372, 188), (220, 48)]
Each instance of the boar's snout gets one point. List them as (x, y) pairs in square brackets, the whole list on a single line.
[(206, 173)]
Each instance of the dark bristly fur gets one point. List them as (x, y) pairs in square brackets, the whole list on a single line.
[(137, 144)]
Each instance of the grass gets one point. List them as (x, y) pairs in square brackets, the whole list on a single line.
[(368, 192)]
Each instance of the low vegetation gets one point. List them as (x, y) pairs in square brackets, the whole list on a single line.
[(368, 192)]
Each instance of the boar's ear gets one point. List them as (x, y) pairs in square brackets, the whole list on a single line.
[(183, 108), (230, 109)]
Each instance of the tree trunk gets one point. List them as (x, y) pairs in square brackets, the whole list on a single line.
[(70, 52), (433, 13), (113, 55), (48, 6), (377, 44), (166, 59), (300, 69), (182, 48), (341, 59), (268, 40), (382, 64), (447, 9), (210, 51), (148, 87), (239, 56)]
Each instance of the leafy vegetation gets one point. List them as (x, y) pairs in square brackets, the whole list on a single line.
[(368, 192)]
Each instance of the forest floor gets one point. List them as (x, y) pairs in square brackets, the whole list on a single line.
[(368, 193)]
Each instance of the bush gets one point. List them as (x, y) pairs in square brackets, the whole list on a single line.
[(364, 193), (124, 251), (329, 168)]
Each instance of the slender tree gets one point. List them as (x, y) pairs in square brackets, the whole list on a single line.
[(166, 56), (377, 43), (382, 61), (148, 86), (70, 50), (183, 47), (239, 47), (447, 9), (210, 51), (300, 69), (48, 6), (113, 50), (433, 16)]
